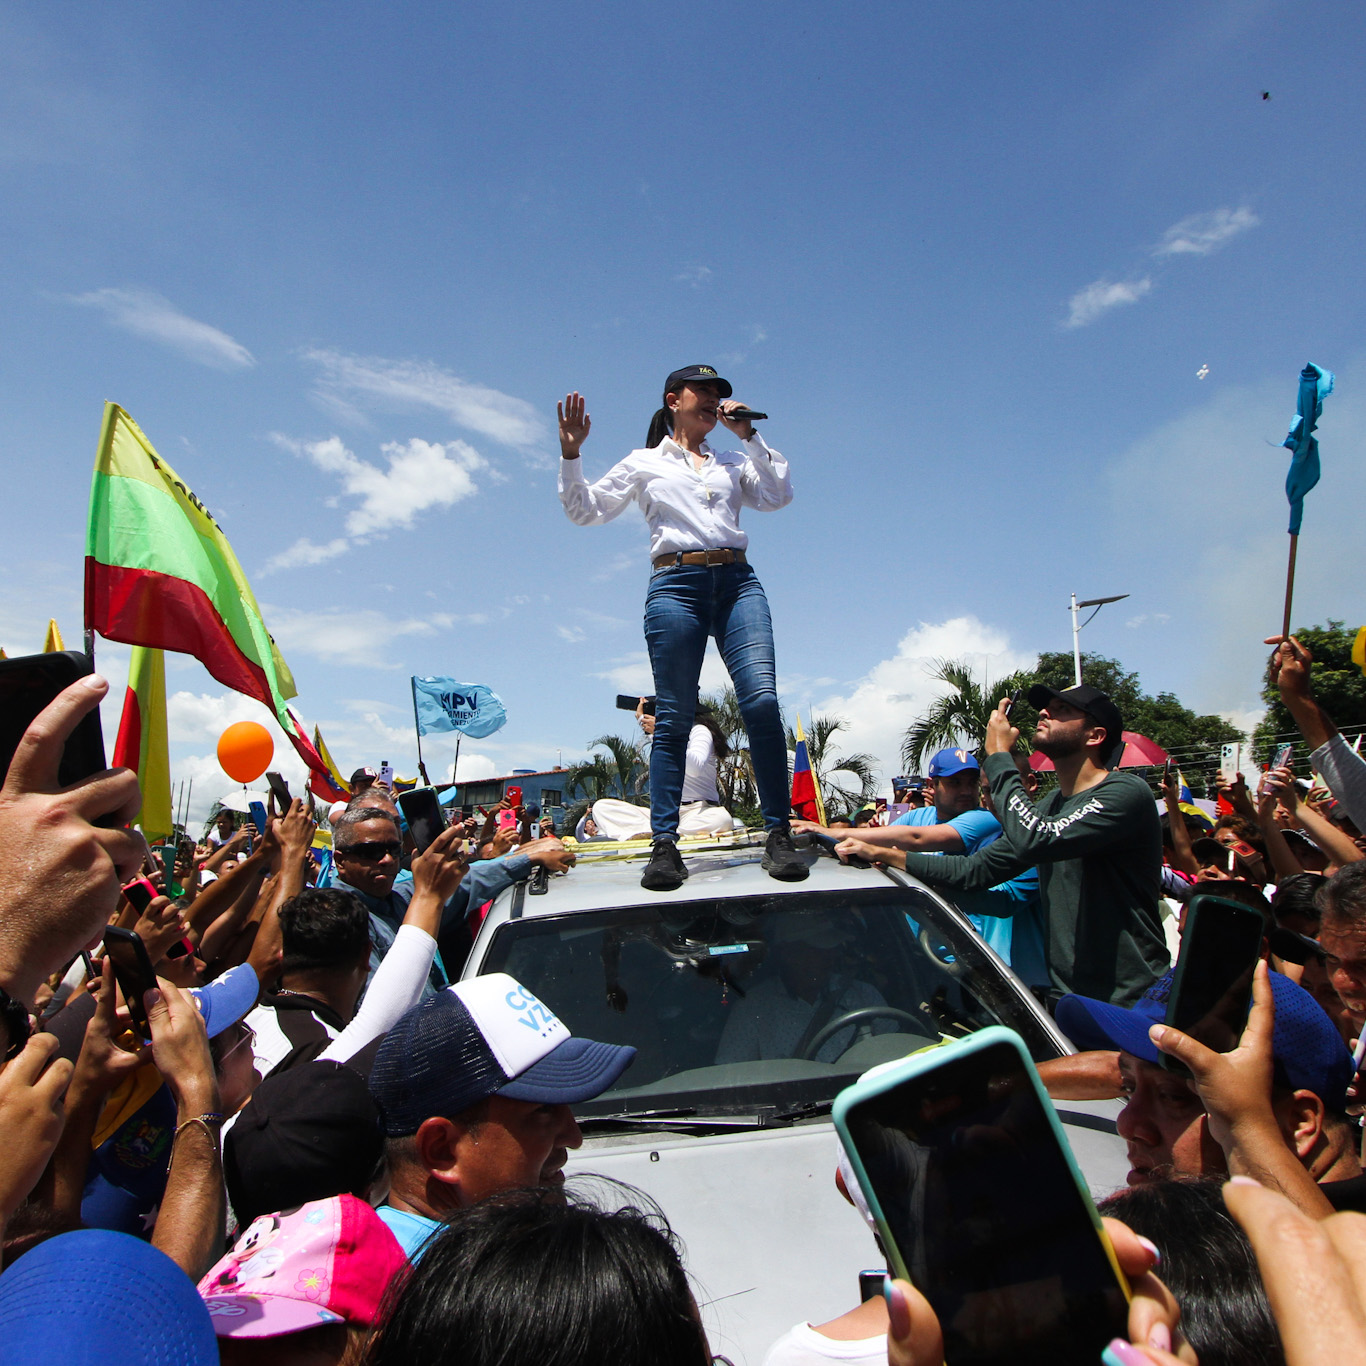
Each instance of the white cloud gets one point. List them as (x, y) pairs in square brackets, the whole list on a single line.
[(146, 314), (1100, 296), (632, 676), (1157, 619), (364, 639), (896, 691), (304, 553), (421, 475), (696, 276), (1203, 233), (573, 634), (405, 384)]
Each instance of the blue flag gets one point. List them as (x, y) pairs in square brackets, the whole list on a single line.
[(1315, 385), (442, 704)]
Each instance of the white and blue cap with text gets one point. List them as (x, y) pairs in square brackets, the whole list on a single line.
[(483, 1037), (952, 761)]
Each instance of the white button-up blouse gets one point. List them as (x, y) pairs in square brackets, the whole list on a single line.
[(687, 508)]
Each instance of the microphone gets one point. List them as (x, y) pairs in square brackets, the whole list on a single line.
[(745, 415)]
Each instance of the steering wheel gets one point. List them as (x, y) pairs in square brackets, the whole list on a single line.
[(954, 969), (855, 1017)]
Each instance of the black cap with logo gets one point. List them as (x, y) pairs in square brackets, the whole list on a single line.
[(697, 374), (1095, 704)]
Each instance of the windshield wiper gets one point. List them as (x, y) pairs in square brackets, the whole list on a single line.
[(689, 1121)]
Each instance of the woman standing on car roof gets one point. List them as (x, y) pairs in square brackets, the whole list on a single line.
[(701, 585)]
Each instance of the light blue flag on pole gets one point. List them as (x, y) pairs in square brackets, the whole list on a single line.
[(442, 704), (1316, 384)]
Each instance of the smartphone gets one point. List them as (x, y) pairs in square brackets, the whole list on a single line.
[(259, 818), (625, 703), (422, 810), (514, 796), (466, 811), (133, 972), (1229, 762), (27, 685), (870, 1285), (281, 790), (1011, 701), (140, 893), (1212, 984), (1281, 758), (1167, 770), (386, 774), (981, 1205)]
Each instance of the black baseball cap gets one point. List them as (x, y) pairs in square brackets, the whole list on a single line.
[(697, 374), (1094, 703), (307, 1133)]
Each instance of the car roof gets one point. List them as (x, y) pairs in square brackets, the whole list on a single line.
[(610, 877)]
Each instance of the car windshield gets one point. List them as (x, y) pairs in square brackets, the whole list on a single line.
[(769, 1003)]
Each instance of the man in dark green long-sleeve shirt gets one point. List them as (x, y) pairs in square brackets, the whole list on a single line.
[(1095, 838)]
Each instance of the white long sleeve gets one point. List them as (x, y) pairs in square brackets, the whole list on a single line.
[(396, 987), (1345, 773), (686, 508)]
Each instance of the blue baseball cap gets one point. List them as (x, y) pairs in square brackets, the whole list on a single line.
[(952, 761), (226, 999), (485, 1036), (95, 1298), (1309, 1052)]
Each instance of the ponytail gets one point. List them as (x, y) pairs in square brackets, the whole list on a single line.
[(661, 425)]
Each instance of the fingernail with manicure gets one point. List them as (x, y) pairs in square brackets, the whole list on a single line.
[(1152, 1247), (1242, 1181), (152, 998), (1160, 1337), (1121, 1353)]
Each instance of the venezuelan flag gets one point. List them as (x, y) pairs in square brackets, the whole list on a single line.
[(806, 791)]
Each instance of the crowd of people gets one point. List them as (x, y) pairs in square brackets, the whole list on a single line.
[(312, 1140)]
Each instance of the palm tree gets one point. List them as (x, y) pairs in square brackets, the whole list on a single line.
[(961, 714), (826, 762), (630, 768), (734, 773)]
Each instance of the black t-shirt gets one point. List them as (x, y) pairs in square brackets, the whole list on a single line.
[(1346, 1196)]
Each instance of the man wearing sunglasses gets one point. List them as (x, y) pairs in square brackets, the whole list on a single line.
[(366, 848)]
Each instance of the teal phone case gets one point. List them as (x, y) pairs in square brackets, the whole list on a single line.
[(929, 1060)]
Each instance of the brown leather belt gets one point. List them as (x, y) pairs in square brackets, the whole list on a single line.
[(707, 557)]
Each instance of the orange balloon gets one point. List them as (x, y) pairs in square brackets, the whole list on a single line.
[(245, 750)]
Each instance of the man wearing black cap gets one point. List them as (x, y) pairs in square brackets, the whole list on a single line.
[(1096, 838)]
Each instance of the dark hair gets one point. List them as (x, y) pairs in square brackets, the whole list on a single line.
[(322, 928), (532, 1277), (718, 737), (1344, 894), (1298, 895), (1244, 892), (1208, 1264), (661, 425), (1245, 829), (358, 815)]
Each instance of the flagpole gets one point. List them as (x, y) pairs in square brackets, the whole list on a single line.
[(455, 763), (417, 725), (1289, 584)]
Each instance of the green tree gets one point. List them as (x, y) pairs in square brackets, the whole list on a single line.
[(1192, 740), (622, 773), (1338, 685), (846, 780), (960, 716), (734, 773)]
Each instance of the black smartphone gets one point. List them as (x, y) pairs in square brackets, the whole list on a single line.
[(625, 703), (1212, 985), (466, 810), (1011, 701), (133, 972), (424, 815), (870, 1284), (986, 1211), (27, 685), (281, 790)]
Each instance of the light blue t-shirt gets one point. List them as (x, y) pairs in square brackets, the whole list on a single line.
[(975, 828), (413, 1231)]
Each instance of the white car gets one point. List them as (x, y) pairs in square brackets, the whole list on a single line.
[(752, 1003)]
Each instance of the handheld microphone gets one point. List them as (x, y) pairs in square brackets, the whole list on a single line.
[(745, 415)]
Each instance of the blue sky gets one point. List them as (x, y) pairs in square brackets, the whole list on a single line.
[(340, 262)]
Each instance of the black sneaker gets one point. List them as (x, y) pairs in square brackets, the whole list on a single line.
[(781, 859), (665, 870)]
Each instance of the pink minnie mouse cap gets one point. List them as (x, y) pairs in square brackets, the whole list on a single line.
[(329, 1261)]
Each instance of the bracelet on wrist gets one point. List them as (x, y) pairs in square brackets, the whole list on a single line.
[(211, 1122)]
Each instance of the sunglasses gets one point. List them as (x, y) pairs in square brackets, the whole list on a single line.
[(247, 1036), (371, 851)]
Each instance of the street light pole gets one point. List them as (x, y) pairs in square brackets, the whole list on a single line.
[(1076, 607)]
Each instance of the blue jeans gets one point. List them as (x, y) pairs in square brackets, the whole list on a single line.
[(685, 605)]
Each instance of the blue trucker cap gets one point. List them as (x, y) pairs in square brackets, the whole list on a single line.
[(1309, 1052), (482, 1037)]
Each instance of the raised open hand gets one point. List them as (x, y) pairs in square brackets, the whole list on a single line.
[(575, 424)]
